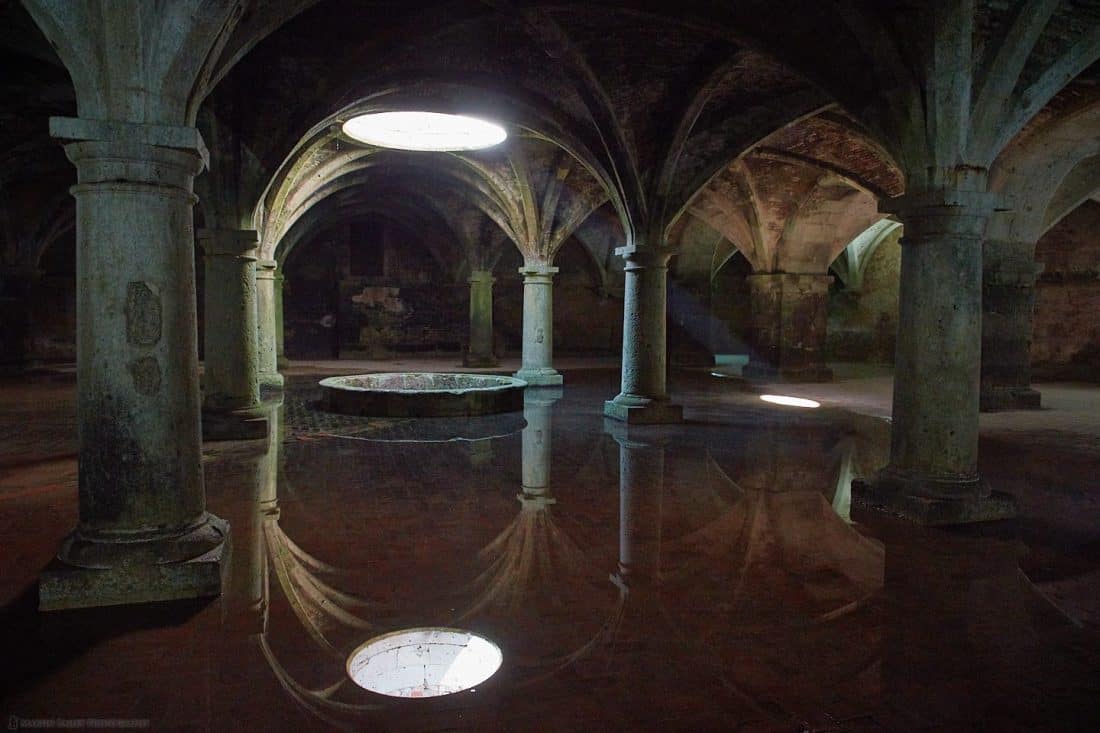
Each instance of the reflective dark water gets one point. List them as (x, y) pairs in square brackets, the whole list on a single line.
[(707, 576)]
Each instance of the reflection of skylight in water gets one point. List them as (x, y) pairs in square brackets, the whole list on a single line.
[(776, 399), (426, 131), (424, 662)]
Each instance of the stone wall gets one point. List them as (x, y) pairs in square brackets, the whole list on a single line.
[(390, 297), (863, 324), (588, 320), (1066, 334)]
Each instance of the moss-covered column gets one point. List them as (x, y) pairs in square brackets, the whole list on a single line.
[(280, 325), (537, 368), (1008, 304), (932, 476), (144, 532), (231, 391), (479, 353), (644, 395), (789, 317), (267, 325)]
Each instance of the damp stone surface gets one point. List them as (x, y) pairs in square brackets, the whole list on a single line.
[(422, 394)]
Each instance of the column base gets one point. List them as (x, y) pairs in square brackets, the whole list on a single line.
[(758, 371), (272, 381), (1014, 398), (635, 410), (480, 361), (91, 572), (933, 503), (248, 423), (539, 377)]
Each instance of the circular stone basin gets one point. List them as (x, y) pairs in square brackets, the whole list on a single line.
[(426, 662), (422, 394)]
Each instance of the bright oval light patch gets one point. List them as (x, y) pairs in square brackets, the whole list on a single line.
[(789, 401), (426, 662), (424, 131)]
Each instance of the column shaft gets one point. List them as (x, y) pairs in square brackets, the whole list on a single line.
[(933, 472), (644, 395), (231, 387), (230, 375), (538, 327), (143, 525), (480, 350), (267, 322), (280, 325)]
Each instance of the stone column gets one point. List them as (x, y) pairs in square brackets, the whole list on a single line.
[(231, 390), (538, 409), (538, 326), (644, 395), (280, 325), (932, 477), (1008, 303), (480, 350), (641, 490), (789, 316), (267, 321), (144, 532)]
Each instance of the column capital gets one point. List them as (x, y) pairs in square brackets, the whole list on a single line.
[(945, 212), (265, 269), (640, 258), (534, 270), (173, 137), (955, 198), (229, 242), (481, 276)]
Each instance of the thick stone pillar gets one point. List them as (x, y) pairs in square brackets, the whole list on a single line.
[(231, 389), (644, 395), (280, 325), (267, 321), (641, 491), (480, 350), (1008, 304), (789, 316), (538, 409), (15, 319), (538, 326), (932, 477), (144, 532)]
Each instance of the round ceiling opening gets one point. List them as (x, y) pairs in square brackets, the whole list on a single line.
[(426, 662), (789, 401), (424, 131)]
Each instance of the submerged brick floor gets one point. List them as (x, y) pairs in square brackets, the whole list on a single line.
[(713, 585)]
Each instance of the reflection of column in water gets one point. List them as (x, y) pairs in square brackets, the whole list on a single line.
[(262, 477), (538, 408), (842, 497), (641, 485)]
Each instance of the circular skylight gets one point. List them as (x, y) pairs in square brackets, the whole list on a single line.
[(776, 399), (426, 131), (426, 662)]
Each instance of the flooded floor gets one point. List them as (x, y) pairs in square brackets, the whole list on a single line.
[(705, 576)]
